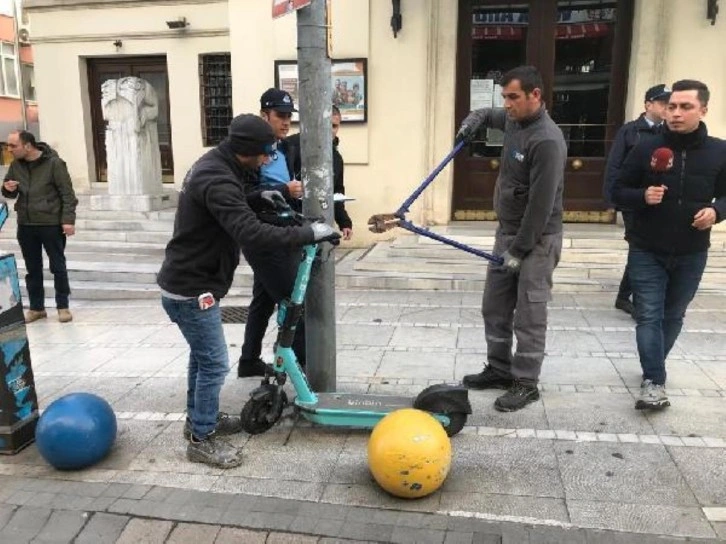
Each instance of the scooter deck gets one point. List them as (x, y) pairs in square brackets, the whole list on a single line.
[(352, 409)]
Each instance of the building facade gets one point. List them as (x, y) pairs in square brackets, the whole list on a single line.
[(209, 60), (17, 79)]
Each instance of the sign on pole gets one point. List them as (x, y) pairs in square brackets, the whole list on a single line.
[(283, 7)]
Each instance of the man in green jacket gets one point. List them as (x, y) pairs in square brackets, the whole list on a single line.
[(46, 215)]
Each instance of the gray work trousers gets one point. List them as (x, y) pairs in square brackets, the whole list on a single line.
[(517, 304)]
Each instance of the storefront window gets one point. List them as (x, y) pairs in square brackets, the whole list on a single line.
[(499, 43), (583, 63)]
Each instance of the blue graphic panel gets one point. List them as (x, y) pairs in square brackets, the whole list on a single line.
[(11, 306)]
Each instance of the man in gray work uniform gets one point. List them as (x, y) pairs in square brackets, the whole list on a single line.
[(528, 202)]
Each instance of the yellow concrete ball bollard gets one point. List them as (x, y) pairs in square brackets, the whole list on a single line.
[(409, 453)]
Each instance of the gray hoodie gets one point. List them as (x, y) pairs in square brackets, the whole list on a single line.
[(528, 192)]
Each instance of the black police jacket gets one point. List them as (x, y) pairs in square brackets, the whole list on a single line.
[(629, 135)]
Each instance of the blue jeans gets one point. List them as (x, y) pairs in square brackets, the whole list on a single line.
[(208, 360), (663, 286)]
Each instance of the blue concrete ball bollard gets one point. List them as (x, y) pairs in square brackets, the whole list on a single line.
[(76, 431)]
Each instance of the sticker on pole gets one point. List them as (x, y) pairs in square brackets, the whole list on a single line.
[(283, 7)]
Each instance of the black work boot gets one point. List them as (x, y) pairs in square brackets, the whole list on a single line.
[(246, 368), (518, 396), (489, 378), (226, 425), (213, 452)]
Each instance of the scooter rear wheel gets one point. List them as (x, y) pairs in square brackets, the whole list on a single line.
[(457, 420), (259, 416)]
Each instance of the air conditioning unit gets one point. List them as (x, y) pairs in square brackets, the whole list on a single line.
[(24, 35)]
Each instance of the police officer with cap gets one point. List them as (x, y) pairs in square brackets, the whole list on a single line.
[(645, 127)]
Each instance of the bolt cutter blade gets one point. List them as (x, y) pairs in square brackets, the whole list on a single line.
[(383, 222)]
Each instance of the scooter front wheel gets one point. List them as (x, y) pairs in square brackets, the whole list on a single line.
[(260, 415), (457, 420)]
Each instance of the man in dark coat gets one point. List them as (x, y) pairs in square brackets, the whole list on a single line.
[(46, 212), (674, 207), (215, 219)]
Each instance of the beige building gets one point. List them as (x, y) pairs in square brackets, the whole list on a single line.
[(210, 59)]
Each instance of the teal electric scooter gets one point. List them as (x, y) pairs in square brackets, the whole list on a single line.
[(449, 404)]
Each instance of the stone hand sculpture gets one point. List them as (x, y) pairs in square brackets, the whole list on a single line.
[(130, 108)]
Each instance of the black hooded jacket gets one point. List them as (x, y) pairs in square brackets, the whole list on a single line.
[(696, 180), (213, 222), (292, 151)]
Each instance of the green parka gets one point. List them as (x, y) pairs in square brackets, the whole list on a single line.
[(45, 193)]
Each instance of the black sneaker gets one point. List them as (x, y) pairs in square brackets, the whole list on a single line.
[(247, 368), (226, 425), (213, 452), (518, 396), (625, 305), (489, 378)]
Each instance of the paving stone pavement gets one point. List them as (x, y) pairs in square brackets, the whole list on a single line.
[(580, 465)]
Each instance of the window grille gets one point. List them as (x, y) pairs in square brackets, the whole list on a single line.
[(215, 79)]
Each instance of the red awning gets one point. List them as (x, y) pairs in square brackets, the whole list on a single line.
[(576, 31), (497, 32), (579, 31)]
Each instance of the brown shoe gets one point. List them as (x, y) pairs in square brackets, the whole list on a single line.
[(35, 315), (64, 315)]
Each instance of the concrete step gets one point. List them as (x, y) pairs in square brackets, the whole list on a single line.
[(116, 255), (98, 248), (146, 225)]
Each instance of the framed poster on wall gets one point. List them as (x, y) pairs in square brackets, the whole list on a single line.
[(348, 80)]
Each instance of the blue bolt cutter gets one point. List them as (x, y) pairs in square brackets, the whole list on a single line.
[(386, 221)]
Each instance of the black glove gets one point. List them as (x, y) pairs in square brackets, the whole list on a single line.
[(511, 264), (464, 135), (274, 199), (322, 232), (469, 126)]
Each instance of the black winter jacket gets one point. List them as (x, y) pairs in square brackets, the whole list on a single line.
[(629, 135), (342, 218), (696, 180), (213, 222), (45, 191)]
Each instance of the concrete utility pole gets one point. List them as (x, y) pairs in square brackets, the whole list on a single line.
[(317, 173)]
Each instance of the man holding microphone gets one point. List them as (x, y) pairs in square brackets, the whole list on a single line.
[(675, 184)]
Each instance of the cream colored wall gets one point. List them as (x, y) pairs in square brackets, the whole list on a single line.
[(387, 157), (673, 40), (64, 39), (411, 80)]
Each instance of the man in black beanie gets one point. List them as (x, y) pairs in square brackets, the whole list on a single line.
[(214, 220)]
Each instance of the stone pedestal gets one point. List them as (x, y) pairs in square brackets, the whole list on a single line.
[(135, 203)]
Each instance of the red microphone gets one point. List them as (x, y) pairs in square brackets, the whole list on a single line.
[(661, 160)]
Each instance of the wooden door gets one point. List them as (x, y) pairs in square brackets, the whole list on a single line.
[(582, 50), (153, 70)]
